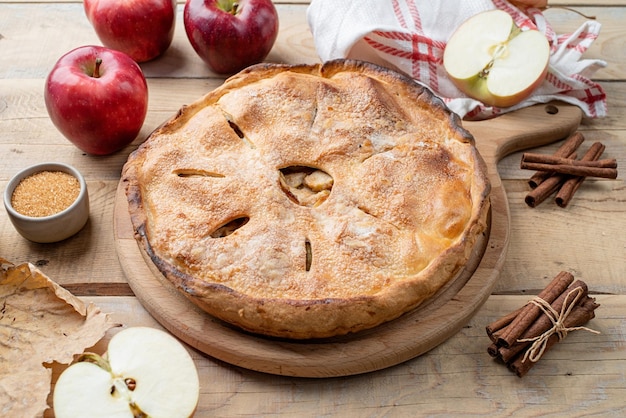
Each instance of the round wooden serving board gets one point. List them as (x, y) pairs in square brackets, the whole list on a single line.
[(386, 345)]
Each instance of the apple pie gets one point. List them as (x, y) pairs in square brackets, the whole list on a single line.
[(309, 201)]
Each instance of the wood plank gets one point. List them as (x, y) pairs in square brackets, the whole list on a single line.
[(66, 28), (82, 262), (584, 238), (583, 375), (22, 103), (22, 30), (581, 238), (608, 46), (383, 346), (597, 211), (584, 372), (564, 237), (30, 137)]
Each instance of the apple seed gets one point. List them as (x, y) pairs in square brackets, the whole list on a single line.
[(131, 384)]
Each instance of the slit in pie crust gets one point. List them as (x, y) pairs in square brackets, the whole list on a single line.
[(309, 201)]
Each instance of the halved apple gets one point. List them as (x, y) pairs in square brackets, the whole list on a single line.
[(145, 372), (492, 60)]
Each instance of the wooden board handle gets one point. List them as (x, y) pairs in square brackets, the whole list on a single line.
[(525, 128)]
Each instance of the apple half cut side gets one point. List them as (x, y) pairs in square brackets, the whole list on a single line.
[(145, 372), (492, 60)]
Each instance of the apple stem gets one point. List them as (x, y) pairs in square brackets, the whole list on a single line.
[(229, 6), (96, 70), (95, 359)]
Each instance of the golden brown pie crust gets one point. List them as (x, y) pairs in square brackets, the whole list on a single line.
[(350, 195)]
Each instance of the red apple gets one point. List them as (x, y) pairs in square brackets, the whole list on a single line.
[(98, 98), (142, 29), (231, 35)]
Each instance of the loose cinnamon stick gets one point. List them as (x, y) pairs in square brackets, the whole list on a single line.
[(579, 316), (545, 189), (547, 186), (571, 185), (530, 157), (574, 170), (530, 312), (541, 325), (569, 146)]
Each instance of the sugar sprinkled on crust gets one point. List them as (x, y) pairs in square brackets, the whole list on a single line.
[(396, 198)]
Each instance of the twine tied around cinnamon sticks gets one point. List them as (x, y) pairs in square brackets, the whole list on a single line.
[(563, 173), (540, 342), (521, 338)]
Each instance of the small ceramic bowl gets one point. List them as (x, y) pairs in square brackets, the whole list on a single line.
[(55, 227)]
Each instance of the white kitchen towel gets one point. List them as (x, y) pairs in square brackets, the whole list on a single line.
[(410, 36)]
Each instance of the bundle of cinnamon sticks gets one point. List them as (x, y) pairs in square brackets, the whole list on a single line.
[(520, 338), (563, 173)]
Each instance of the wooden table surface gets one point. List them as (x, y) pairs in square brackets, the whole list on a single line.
[(585, 374)]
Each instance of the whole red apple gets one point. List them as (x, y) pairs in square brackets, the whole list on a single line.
[(98, 98), (142, 29), (231, 35)]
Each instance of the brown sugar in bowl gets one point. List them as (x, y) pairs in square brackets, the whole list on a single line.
[(47, 202)]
